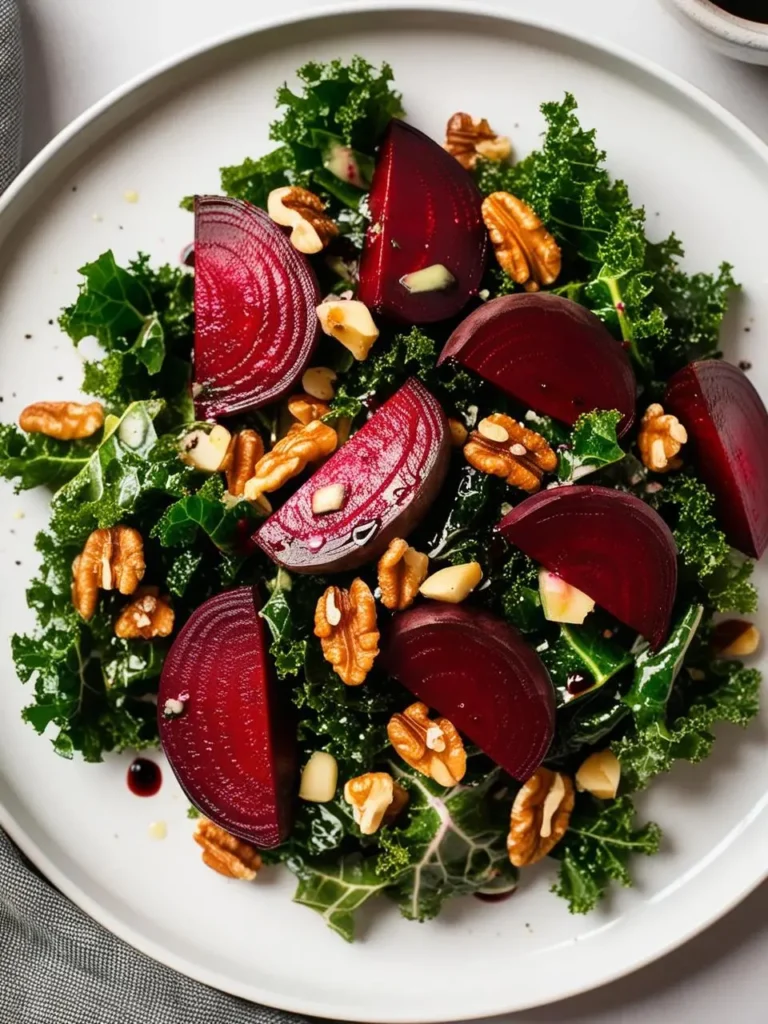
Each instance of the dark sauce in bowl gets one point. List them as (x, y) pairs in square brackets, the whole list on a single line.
[(750, 10)]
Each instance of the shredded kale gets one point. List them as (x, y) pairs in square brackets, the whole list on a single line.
[(594, 852), (593, 445)]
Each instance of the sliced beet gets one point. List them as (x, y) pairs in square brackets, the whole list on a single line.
[(224, 727), (727, 426), (607, 543), (255, 300), (547, 352), (478, 672), (390, 472), (425, 211)]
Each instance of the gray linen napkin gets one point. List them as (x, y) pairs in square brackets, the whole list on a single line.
[(57, 966)]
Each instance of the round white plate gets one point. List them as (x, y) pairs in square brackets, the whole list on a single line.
[(698, 171)]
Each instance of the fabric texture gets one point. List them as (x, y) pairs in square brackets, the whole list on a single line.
[(57, 966)]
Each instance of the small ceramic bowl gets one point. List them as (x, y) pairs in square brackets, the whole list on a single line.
[(733, 36)]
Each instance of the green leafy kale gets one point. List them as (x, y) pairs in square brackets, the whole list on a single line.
[(289, 640), (656, 671), (601, 838), (608, 263), (454, 843), (206, 510), (342, 110), (336, 887), (520, 599), (583, 651), (728, 693), (32, 460), (593, 445), (143, 320), (722, 574)]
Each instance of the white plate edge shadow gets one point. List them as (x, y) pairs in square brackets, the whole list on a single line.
[(59, 147)]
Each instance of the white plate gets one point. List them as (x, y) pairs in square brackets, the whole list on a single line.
[(698, 171)]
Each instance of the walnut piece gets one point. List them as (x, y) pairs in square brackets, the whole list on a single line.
[(376, 800), (735, 638), (298, 208), (524, 248), (225, 853), (147, 616), (245, 450), (660, 438), (349, 321), (503, 447), (469, 138), (305, 408), (112, 559), (401, 572), (289, 457), (67, 421), (459, 433), (540, 816), (345, 622), (433, 748)]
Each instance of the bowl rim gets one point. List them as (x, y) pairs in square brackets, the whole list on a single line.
[(727, 26)]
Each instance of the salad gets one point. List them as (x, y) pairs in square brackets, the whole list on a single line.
[(403, 512)]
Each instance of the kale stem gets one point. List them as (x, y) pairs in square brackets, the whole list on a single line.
[(624, 322)]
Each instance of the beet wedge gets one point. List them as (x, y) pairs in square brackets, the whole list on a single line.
[(548, 353), (607, 543), (255, 301), (478, 672), (233, 745), (727, 426), (386, 476), (425, 212)]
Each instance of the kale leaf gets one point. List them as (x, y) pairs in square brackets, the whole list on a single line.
[(206, 511), (585, 651), (336, 887), (593, 445), (727, 693), (32, 460), (143, 320), (454, 844), (601, 838)]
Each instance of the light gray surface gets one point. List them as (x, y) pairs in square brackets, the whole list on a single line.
[(77, 50)]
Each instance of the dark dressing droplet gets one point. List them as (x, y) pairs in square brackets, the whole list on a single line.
[(144, 777)]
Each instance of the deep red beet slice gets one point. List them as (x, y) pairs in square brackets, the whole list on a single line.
[(479, 673), (425, 211), (224, 727), (389, 473), (255, 301), (547, 352), (607, 543), (727, 426)]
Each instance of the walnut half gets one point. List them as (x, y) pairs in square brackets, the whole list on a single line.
[(469, 138), (112, 559), (225, 853), (433, 748), (540, 816), (660, 438), (298, 208), (503, 447), (289, 457), (524, 248), (345, 622), (376, 800), (67, 421), (401, 571)]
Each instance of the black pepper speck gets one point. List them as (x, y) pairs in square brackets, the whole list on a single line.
[(745, 365), (27, 336), (59, 378)]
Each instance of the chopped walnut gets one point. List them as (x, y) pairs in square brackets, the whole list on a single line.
[(660, 438), (112, 559), (459, 433), (298, 208), (503, 447), (305, 408), (147, 616), (540, 816), (524, 248), (469, 138), (345, 622), (401, 572), (225, 853), (289, 457), (376, 800), (433, 748), (67, 421), (245, 450)]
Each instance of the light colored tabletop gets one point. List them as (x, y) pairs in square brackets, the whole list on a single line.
[(78, 50)]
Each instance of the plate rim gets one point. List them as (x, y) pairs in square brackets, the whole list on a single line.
[(14, 192)]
